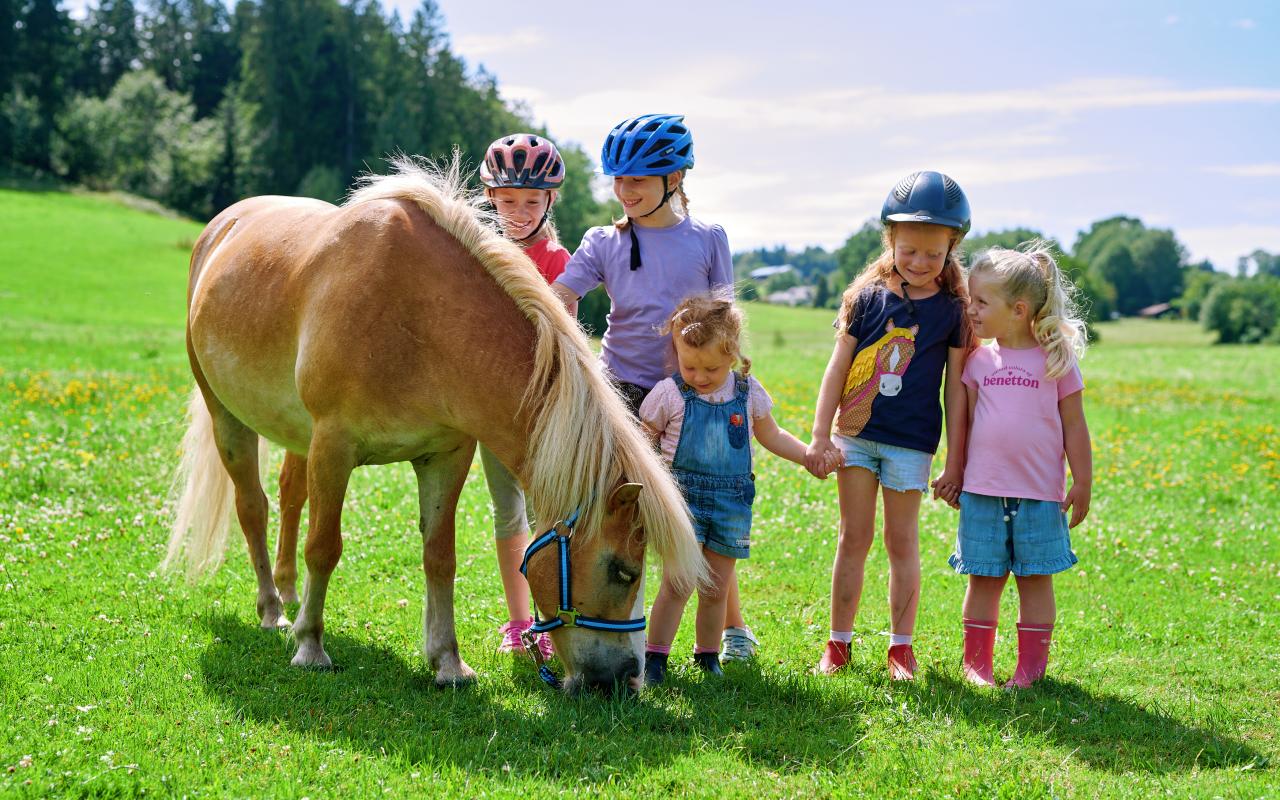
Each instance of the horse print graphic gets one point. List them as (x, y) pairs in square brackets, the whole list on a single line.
[(876, 370)]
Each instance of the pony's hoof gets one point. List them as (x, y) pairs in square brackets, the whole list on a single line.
[(312, 658), (280, 621), (456, 680)]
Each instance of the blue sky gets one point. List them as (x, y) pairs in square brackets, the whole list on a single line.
[(1050, 116)]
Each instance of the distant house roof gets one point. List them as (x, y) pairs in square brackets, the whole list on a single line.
[(795, 296), (1157, 310), (764, 273)]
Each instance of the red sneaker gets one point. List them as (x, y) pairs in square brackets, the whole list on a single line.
[(902, 663), (834, 658)]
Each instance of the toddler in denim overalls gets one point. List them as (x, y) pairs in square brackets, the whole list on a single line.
[(712, 464), (703, 418)]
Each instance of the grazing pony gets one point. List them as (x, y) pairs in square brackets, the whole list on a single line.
[(400, 326)]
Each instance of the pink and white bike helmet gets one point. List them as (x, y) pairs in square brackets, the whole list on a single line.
[(522, 161)]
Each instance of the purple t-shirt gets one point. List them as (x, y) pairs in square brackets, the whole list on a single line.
[(684, 259)]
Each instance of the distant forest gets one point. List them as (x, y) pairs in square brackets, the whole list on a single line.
[(197, 105)]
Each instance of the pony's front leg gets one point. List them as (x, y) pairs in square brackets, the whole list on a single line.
[(329, 464), (440, 479)]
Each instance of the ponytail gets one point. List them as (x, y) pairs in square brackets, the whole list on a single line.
[(684, 199), (1030, 274), (1057, 325), (711, 319)]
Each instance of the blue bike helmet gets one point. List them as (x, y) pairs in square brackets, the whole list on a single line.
[(927, 197), (650, 144)]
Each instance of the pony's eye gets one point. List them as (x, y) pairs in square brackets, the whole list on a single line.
[(620, 573)]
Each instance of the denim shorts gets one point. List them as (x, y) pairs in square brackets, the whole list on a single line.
[(1000, 535), (898, 468), (721, 509)]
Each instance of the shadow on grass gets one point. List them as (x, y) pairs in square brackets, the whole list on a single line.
[(1106, 731), (382, 702)]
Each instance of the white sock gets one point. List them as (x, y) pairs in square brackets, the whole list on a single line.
[(896, 639), (842, 636)]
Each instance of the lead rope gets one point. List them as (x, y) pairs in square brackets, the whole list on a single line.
[(530, 640)]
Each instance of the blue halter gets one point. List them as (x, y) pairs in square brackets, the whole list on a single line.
[(566, 616)]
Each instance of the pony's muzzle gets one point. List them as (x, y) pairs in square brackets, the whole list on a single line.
[(618, 678)]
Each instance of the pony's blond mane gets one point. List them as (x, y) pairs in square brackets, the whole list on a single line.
[(583, 440)]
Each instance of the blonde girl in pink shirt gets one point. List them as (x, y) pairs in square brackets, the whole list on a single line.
[(1026, 411)]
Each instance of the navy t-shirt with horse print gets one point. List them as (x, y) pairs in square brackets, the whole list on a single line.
[(891, 394)]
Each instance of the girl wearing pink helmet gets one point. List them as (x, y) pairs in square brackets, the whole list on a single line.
[(521, 174)]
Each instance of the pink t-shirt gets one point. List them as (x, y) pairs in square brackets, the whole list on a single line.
[(1015, 444), (663, 409)]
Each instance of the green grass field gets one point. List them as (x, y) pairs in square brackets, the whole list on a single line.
[(116, 681)]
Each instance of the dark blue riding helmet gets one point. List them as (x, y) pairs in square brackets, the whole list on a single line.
[(927, 197), (650, 144)]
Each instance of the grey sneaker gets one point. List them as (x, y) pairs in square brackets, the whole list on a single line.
[(738, 644)]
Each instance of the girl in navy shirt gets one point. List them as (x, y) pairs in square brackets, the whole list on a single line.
[(901, 327)]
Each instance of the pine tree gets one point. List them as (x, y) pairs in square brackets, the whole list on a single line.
[(44, 54), (112, 44)]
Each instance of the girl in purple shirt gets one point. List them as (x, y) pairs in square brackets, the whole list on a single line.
[(648, 262), (652, 258), (1026, 412)]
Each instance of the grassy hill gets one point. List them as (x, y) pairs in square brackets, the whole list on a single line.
[(115, 681)]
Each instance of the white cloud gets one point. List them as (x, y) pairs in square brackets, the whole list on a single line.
[(1225, 243), (1040, 136), (705, 92), (1172, 19), (1244, 24), (478, 45), (1271, 170)]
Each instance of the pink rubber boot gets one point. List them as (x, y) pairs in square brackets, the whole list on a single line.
[(979, 648), (1033, 654)]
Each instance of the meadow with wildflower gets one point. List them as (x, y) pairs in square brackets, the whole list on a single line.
[(119, 681)]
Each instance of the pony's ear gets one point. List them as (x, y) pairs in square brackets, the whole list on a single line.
[(623, 498)]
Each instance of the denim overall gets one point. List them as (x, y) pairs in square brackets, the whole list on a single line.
[(712, 464)]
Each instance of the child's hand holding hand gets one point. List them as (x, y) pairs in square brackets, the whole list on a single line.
[(822, 457), (947, 487), (1078, 501)]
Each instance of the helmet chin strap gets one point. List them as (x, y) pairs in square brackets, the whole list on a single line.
[(536, 230), (905, 296), (666, 195), (667, 192), (546, 212)]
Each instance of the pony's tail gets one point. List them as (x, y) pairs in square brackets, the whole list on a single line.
[(203, 513)]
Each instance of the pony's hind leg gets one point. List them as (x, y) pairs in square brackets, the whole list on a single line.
[(329, 464), (238, 449), (440, 479), (293, 496)]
